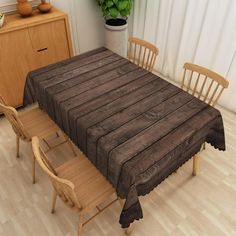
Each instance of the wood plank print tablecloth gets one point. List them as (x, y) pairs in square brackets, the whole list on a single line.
[(134, 127)]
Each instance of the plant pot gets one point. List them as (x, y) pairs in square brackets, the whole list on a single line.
[(116, 36)]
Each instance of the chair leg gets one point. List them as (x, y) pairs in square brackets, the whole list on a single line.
[(54, 200), (195, 165), (57, 134), (68, 142), (128, 230), (33, 169), (81, 216), (122, 202), (17, 146), (71, 147), (204, 146)]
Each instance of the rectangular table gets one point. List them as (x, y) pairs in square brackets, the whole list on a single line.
[(135, 127)]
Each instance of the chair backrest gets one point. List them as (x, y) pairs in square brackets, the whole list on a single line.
[(203, 83), (2, 101), (13, 117), (142, 53), (64, 188)]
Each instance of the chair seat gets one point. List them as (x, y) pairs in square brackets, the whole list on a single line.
[(37, 123), (91, 187)]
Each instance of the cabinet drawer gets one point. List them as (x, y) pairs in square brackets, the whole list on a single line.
[(49, 43)]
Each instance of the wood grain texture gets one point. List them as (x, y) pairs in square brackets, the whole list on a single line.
[(139, 154), (182, 205)]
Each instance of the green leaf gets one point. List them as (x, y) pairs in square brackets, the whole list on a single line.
[(106, 12), (129, 6), (124, 13), (109, 3), (114, 12), (121, 5), (99, 2), (114, 8), (104, 7)]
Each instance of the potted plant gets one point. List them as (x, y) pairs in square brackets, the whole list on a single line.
[(116, 13)]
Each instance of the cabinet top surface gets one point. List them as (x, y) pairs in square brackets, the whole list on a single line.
[(15, 21)]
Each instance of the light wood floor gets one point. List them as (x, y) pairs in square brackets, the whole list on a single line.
[(181, 205)]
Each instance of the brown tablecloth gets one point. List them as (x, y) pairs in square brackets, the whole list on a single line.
[(134, 127)]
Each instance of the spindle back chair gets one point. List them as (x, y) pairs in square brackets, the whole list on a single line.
[(78, 184), (142, 53), (12, 116), (203, 83), (63, 188), (29, 123)]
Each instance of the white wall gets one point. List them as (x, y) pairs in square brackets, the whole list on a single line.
[(86, 22), (90, 25)]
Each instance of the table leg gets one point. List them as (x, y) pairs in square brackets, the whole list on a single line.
[(128, 230)]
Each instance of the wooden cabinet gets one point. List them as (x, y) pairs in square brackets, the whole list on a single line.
[(27, 44)]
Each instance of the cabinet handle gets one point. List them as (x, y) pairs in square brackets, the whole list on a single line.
[(42, 49)]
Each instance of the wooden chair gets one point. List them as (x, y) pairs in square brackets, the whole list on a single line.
[(30, 123), (142, 53), (205, 85), (78, 183)]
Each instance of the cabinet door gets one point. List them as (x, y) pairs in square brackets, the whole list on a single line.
[(14, 66), (49, 43)]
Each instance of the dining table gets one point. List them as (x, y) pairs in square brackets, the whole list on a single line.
[(135, 127)]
